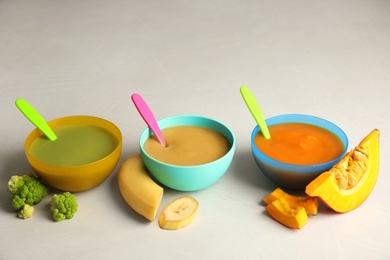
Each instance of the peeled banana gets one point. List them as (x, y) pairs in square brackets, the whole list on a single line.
[(138, 188), (179, 213)]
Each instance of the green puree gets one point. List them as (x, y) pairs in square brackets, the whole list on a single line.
[(76, 145)]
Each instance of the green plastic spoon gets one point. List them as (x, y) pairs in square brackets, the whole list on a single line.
[(35, 118), (255, 110)]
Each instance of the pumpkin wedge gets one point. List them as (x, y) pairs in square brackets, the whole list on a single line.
[(349, 182)]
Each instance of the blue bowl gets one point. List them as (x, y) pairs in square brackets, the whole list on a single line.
[(295, 176), (188, 178)]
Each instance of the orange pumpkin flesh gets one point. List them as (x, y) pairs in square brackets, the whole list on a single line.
[(348, 184), (310, 204), (290, 210), (287, 213)]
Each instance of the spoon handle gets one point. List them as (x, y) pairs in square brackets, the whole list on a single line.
[(255, 110), (148, 117), (35, 118)]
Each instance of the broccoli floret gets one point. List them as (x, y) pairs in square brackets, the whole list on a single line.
[(26, 212), (63, 206), (26, 190)]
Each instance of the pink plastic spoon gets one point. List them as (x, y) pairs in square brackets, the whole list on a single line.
[(148, 117)]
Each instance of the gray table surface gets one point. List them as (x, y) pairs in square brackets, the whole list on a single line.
[(326, 58)]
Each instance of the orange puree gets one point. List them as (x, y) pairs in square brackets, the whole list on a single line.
[(298, 143), (188, 145)]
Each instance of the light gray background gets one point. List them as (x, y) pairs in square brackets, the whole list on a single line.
[(326, 58)]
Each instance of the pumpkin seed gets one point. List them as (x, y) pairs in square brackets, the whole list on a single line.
[(360, 156), (349, 173)]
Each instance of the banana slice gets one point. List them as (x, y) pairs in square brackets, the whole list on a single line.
[(179, 213)]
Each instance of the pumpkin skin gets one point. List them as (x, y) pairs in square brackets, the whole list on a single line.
[(341, 193)]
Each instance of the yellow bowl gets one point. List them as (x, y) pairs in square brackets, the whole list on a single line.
[(76, 178)]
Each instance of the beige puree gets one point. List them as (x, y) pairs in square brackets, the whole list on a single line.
[(188, 145)]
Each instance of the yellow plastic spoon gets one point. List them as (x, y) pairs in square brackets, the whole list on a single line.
[(35, 118), (255, 110)]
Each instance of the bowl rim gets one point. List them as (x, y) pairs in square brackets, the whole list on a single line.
[(146, 133), (299, 167), (117, 135)]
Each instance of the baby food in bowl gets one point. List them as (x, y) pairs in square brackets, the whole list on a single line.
[(188, 145), (301, 147), (199, 150), (85, 153)]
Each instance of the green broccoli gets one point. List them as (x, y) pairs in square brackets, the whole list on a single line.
[(26, 212), (26, 190), (63, 206)]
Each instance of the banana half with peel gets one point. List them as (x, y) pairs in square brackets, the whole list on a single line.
[(179, 213), (144, 196), (138, 189)]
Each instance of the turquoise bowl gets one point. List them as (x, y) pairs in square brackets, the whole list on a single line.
[(189, 178), (295, 176)]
